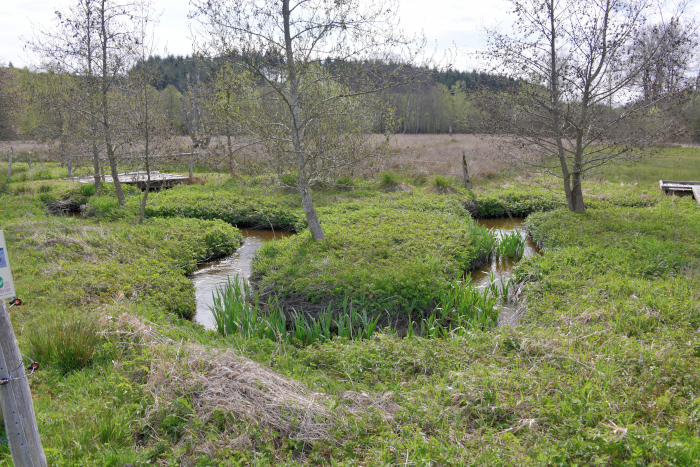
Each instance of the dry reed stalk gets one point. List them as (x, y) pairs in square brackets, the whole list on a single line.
[(223, 380)]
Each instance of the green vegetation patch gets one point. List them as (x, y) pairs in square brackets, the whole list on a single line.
[(69, 263), (639, 264), (261, 209), (397, 253)]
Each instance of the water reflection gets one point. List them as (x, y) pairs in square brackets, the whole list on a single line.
[(216, 273), (501, 268)]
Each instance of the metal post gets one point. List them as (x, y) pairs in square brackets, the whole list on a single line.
[(465, 170), (16, 400)]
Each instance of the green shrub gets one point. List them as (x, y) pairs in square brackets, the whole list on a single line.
[(345, 183), (66, 344), (442, 183), (262, 211), (289, 180), (45, 189), (87, 190), (388, 179), (23, 189)]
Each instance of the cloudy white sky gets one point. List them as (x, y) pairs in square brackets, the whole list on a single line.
[(444, 23)]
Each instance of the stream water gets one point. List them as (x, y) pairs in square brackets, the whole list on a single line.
[(501, 268), (213, 274), (216, 273)]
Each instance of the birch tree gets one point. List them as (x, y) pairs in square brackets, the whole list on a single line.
[(307, 117)]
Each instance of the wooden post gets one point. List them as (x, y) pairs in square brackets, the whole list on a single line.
[(9, 164), (465, 170), (191, 167), (102, 169), (29, 160), (70, 167), (16, 400)]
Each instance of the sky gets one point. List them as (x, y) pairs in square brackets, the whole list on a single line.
[(455, 25)]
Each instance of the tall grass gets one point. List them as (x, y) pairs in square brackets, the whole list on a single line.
[(66, 344), (484, 239), (237, 310)]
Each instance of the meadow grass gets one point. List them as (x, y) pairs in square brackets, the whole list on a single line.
[(602, 369)]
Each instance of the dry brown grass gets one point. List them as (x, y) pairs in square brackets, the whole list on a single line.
[(222, 380), (424, 154), (442, 154)]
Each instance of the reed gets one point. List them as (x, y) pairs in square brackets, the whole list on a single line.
[(236, 309), (511, 245)]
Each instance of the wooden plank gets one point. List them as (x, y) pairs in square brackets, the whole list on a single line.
[(16, 400), (696, 193)]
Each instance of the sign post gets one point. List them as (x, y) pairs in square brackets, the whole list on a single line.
[(15, 397)]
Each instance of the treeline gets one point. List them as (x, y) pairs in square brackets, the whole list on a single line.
[(437, 102)]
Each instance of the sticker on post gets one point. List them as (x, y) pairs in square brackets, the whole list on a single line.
[(7, 286)]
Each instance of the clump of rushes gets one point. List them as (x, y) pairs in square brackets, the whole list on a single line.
[(65, 344), (442, 184), (511, 245), (237, 310)]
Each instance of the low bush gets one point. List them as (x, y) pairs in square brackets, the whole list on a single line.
[(81, 265), (261, 210)]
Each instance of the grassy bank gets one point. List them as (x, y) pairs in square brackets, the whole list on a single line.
[(395, 254), (602, 369)]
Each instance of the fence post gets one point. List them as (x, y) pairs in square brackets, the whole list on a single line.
[(16, 400), (465, 171), (29, 160), (191, 167), (70, 166), (9, 164)]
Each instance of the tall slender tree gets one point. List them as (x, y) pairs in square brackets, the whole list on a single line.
[(311, 113)]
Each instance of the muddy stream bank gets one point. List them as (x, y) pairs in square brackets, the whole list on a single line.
[(216, 273)]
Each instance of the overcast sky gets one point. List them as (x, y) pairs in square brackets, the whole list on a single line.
[(444, 22)]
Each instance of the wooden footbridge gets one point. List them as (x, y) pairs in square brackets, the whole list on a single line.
[(158, 180), (681, 188)]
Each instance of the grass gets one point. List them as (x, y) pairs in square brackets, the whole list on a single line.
[(602, 369), (396, 253), (66, 344), (667, 164)]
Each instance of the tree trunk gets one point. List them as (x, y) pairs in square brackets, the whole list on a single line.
[(105, 106), (297, 134), (147, 135), (9, 164)]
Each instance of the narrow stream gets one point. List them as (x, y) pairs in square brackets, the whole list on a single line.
[(216, 273), (211, 275), (501, 268)]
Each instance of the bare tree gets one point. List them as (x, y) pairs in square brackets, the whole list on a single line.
[(93, 41), (307, 108), (578, 100), (147, 127)]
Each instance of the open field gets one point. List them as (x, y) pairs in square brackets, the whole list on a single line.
[(601, 370)]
